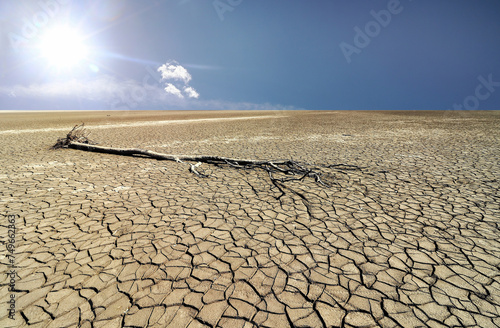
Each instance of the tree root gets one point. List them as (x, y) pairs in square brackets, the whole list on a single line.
[(77, 134)]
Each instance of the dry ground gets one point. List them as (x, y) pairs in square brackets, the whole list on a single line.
[(410, 240)]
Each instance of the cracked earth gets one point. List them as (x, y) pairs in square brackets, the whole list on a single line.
[(410, 240)]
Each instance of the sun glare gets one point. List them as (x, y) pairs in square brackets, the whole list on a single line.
[(63, 48)]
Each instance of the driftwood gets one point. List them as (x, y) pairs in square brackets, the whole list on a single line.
[(289, 170), (78, 134)]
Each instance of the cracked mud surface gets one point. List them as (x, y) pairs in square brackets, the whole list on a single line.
[(411, 240)]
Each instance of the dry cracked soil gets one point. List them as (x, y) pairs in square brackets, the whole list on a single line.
[(406, 234)]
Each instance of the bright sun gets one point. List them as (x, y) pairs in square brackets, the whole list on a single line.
[(63, 48)]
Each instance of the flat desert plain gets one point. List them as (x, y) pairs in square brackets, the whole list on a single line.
[(404, 233)]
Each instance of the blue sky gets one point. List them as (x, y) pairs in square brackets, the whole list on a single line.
[(250, 54)]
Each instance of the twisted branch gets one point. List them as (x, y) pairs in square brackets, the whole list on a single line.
[(78, 134)]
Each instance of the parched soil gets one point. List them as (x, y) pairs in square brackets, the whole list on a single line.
[(410, 239)]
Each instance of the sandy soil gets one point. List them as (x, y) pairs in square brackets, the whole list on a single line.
[(409, 239)]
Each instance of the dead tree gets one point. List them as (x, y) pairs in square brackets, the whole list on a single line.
[(289, 170), (77, 134)]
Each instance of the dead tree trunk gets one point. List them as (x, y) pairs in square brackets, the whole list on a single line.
[(289, 170)]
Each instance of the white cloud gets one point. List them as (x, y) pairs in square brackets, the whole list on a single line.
[(173, 71), (191, 92), (102, 88), (122, 95), (129, 94), (114, 94), (172, 89), (177, 78)]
